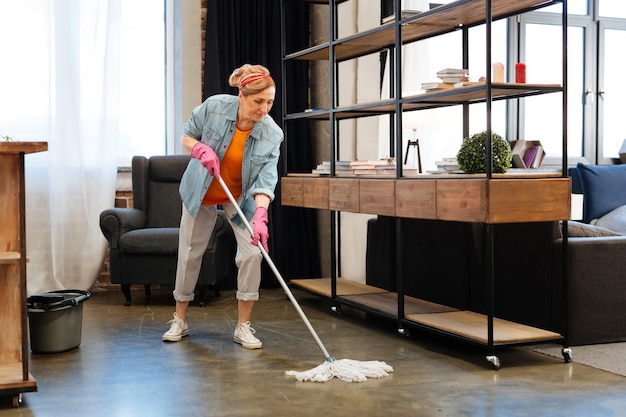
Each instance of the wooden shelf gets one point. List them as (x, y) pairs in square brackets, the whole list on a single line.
[(374, 298), (13, 148), (472, 94), (467, 324), (460, 198), (11, 379), (437, 21), (387, 304), (321, 286), (474, 327), (10, 257)]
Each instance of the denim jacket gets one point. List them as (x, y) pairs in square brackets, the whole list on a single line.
[(213, 122)]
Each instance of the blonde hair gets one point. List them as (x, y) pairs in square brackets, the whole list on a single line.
[(257, 84)]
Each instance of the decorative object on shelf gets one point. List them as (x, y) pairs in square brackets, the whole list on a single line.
[(471, 156), (498, 72), (528, 154), (416, 144), (520, 73)]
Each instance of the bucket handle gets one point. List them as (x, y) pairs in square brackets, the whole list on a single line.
[(74, 301)]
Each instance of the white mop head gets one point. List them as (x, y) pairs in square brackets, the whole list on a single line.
[(347, 370)]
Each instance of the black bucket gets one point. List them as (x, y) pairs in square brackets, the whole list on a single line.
[(56, 320)]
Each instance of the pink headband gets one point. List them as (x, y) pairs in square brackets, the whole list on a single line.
[(250, 78)]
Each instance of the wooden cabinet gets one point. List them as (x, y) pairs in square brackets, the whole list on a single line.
[(14, 375), (481, 198)]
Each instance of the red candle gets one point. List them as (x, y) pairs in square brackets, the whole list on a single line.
[(520, 73)]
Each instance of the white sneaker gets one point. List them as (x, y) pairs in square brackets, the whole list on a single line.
[(177, 331), (244, 335)]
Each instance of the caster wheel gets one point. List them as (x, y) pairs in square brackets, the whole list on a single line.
[(337, 310), (495, 362), (403, 331), (567, 354), (17, 400)]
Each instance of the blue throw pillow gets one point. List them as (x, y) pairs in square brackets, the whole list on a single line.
[(604, 189)]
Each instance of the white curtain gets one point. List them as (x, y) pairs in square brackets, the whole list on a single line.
[(62, 86)]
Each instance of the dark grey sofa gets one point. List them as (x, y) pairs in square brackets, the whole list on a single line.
[(143, 240)]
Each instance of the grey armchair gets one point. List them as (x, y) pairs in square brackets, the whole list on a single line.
[(143, 241)]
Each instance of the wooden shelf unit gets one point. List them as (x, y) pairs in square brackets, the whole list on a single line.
[(14, 374), (489, 199)]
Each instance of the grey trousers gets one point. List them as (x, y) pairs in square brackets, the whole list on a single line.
[(193, 240)]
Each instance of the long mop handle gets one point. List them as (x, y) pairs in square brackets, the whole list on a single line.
[(275, 270)]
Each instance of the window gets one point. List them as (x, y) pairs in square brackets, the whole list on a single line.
[(27, 71), (142, 80), (597, 30)]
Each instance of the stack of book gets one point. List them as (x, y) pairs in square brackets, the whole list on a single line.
[(370, 167), (453, 75), (363, 167), (341, 167), (450, 78), (379, 167), (447, 166)]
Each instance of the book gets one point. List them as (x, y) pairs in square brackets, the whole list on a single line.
[(453, 75), (448, 164), (538, 157), (403, 15), (529, 156), (324, 167), (372, 163), (441, 86), (452, 71), (453, 79)]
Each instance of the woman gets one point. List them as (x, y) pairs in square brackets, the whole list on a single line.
[(234, 138)]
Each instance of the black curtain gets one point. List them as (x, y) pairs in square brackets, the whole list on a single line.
[(249, 31)]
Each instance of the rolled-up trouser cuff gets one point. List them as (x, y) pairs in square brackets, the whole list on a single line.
[(183, 298), (247, 296)]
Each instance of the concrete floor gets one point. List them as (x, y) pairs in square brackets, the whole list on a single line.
[(122, 368)]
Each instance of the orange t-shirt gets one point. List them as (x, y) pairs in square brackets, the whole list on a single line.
[(230, 171)]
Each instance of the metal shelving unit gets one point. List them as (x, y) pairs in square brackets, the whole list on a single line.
[(488, 199)]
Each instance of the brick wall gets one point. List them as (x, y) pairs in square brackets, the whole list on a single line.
[(123, 199), (203, 10)]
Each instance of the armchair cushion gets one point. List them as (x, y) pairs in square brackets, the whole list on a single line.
[(154, 241), (614, 220), (578, 229)]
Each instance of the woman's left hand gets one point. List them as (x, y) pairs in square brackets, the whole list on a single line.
[(259, 222)]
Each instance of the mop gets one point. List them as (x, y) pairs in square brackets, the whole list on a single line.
[(347, 370)]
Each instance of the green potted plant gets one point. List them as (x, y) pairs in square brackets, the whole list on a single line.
[(472, 155)]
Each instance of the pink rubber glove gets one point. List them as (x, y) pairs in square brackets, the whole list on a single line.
[(259, 222), (207, 157)]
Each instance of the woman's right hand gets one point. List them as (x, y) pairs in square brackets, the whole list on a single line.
[(207, 157)]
